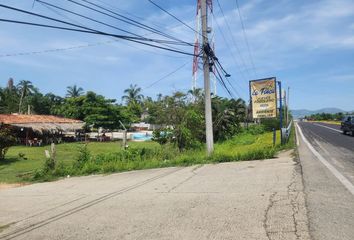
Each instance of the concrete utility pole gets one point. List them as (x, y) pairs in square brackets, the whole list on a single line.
[(287, 107), (280, 112), (206, 68)]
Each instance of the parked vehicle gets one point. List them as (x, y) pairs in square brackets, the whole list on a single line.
[(347, 125)]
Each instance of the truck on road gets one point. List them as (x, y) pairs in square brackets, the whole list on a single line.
[(347, 125)]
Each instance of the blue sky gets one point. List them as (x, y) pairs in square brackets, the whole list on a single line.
[(308, 45)]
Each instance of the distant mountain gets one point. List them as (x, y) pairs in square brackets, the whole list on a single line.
[(299, 113)]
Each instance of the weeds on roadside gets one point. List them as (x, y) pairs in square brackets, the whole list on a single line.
[(252, 144)]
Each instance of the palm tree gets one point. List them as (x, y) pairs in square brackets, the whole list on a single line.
[(132, 94), (74, 91), (25, 88), (196, 95)]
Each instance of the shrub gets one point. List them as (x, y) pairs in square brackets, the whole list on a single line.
[(50, 162), (256, 129), (21, 156), (7, 139), (271, 123), (83, 157), (162, 136)]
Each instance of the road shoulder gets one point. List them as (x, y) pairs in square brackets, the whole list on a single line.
[(329, 204), (261, 199)]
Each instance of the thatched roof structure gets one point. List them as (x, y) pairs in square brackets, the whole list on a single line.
[(41, 123)]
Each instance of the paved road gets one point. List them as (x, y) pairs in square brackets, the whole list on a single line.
[(245, 200), (327, 159)]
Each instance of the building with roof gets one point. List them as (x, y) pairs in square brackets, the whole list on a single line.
[(39, 129)]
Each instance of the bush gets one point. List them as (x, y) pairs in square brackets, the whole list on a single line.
[(256, 129), (162, 136), (270, 124), (22, 156), (83, 157), (7, 139)]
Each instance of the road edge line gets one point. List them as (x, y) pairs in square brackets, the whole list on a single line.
[(332, 169), (327, 127)]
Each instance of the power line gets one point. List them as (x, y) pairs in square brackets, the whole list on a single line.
[(222, 82), (228, 46), (166, 76), (245, 36), (103, 23), (154, 30), (91, 19), (132, 39), (179, 20), (77, 47), (88, 30), (99, 43), (53, 50), (115, 8), (126, 20), (232, 37), (217, 65)]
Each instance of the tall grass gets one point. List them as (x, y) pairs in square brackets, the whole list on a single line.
[(252, 144)]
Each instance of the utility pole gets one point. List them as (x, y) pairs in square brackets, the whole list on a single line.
[(206, 69), (280, 112), (287, 107)]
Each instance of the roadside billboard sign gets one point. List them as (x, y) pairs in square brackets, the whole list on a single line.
[(263, 93)]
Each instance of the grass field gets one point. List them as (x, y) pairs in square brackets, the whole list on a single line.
[(13, 168), (108, 157), (329, 122)]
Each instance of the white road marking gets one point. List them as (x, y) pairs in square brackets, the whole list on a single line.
[(327, 127), (297, 138), (333, 170), (326, 152)]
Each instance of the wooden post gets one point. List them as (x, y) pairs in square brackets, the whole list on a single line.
[(124, 139)]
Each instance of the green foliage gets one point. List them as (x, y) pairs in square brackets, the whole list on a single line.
[(271, 123), (162, 136), (227, 115), (22, 156), (185, 114), (326, 117), (9, 99), (7, 139), (94, 109), (74, 91), (132, 94), (25, 89), (83, 157), (109, 157), (44, 104), (188, 132), (256, 129)]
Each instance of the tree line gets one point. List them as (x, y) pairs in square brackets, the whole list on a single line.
[(182, 112), (326, 116)]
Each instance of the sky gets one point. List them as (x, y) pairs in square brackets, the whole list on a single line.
[(307, 45)]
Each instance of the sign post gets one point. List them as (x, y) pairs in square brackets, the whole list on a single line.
[(263, 94)]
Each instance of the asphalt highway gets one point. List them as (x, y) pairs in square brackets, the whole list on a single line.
[(327, 160)]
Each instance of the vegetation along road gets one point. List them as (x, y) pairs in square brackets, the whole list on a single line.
[(327, 159)]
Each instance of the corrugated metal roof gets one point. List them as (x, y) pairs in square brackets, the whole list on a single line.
[(21, 119)]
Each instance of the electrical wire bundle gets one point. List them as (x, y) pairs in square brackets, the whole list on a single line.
[(168, 42)]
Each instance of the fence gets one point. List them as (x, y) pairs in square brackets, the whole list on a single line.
[(285, 133)]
